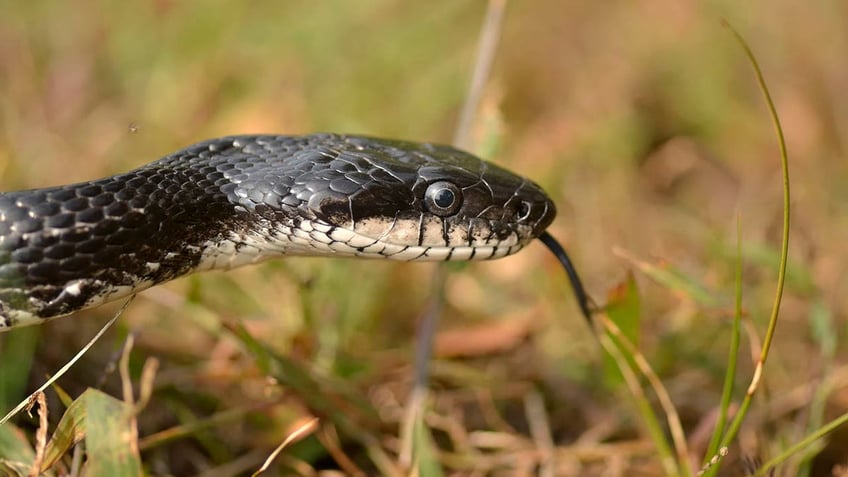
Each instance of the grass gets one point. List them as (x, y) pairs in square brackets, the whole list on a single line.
[(644, 123)]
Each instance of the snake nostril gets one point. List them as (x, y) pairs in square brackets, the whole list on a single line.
[(523, 211)]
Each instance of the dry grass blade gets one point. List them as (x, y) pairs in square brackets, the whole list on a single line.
[(540, 429), (672, 417), (146, 388), (70, 363), (415, 406), (124, 367), (145, 385), (301, 431), (330, 439), (486, 47), (40, 435), (649, 417)]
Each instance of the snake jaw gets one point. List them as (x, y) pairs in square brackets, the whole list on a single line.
[(317, 238)]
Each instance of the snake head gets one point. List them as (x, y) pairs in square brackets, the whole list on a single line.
[(367, 197)]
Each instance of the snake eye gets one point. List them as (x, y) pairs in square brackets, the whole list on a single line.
[(523, 211), (443, 198)]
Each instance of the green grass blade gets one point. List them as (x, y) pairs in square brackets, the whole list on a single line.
[(733, 354), (424, 453), (69, 431), (104, 422), (16, 453), (672, 278), (111, 443), (784, 249), (804, 443), (825, 334), (624, 309), (16, 353)]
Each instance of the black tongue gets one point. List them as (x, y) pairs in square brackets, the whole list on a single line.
[(576, 285)]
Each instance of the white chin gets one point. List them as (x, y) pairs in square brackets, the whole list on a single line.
[(327, 241)]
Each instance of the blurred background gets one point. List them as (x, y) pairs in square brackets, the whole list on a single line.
[(642, 119)]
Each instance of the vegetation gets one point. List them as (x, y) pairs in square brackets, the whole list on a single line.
[(646, 124)]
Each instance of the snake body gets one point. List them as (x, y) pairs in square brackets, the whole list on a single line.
[(237, 200)]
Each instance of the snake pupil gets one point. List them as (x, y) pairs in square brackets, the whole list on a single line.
[(444, 198)]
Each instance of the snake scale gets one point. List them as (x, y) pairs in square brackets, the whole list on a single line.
[(237, 200)]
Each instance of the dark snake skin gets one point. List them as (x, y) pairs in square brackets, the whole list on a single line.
[(66, 248)]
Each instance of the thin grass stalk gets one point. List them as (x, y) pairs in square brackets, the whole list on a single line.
[(180, 431), (784, 249), (486, 48), (733, 353), (807, 441), (818, 405)]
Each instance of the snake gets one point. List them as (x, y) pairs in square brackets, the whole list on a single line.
[(238, 200)]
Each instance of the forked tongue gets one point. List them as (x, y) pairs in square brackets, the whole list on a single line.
[(579, 292)]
